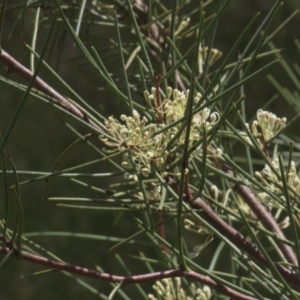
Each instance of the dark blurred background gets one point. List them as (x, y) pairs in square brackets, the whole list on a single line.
[(39, 137)]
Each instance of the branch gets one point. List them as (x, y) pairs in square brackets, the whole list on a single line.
[(240, 241), (267, 220), (264, 217), (17, 68), (62, 266)]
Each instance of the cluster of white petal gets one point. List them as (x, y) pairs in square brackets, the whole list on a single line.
[(275, 184), (146, 144), (171, 289), (174, 110), (265, 127), (214, 55)]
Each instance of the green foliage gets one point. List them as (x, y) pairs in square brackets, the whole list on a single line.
[(202, 195)]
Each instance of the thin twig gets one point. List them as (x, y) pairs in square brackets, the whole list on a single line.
[(17, 68), (239, 240), (266, 219), (62, 266)]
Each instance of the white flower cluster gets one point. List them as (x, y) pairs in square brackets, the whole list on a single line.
[(195, 227), (265, 127), (146, 144), (215, 55), (199, 228), (171, 289), (275, 185), (182, 26), (175, 109), (154, 192)]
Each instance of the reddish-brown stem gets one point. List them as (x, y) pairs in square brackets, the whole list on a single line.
[(264, 217), (239, 240), (160, 121), (158, 100), (162, 232), (267, 221), (187, 182), (15, 67), (62, 266)]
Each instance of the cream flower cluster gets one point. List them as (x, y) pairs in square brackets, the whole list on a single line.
[(146, 144), (195, 227), (275, 185), (171, 289), (154, 192), (175, 109), (143, 142), (215, 55), (266, 126)]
